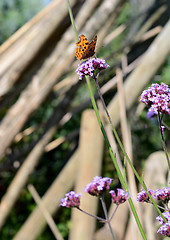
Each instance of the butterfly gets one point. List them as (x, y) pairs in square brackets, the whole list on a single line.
[(84, 48)]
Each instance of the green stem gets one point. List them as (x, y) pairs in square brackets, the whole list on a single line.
[(114, 159), (124, 152), (114, 212), (163, 140), (72, 20), (91, 215), (104, 133)]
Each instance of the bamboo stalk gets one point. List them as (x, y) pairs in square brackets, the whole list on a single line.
[(54, 144), (140, 77), (155, 16), (127, 142), (91, 154), (61, 185), (45, 212)]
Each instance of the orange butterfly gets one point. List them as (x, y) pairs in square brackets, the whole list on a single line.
[(84, 48)]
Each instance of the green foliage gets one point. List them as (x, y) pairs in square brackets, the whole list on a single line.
[(166, 72), (18, 215), (14, 13), (64, 227), (124, 14)]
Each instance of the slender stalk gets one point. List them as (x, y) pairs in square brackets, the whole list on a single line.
[(101, 97), (162, 138), (114, 212), (165, 125), (104, 134), (45, 213), (91, 215), (164, 209), (114, 131), (107, 218), (72, 20)]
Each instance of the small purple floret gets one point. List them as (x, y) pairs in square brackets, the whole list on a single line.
[(166, 215), (157, 97), (165, 229), (71, 200), (120, 197), (163, 194), (98, 186), (87, 67), (150, 114), (143, 196)]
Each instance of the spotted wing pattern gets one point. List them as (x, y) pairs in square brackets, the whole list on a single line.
[(85, 49)]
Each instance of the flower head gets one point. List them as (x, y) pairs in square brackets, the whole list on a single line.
[(71, 200), (157, 97), (120, 197), (166, 215), (163, 194), (165, 229), (98, 186), (87, 67), (143, 196)]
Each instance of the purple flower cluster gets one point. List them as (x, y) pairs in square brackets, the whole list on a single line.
[(166, 216), (143, 196), (159, 194), (120, 197), (87, 67), (163, 194), (98, 186), (165, 229), (157, 97), (71, 200)]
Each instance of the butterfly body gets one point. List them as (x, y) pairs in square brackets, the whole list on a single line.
[(85, 49)]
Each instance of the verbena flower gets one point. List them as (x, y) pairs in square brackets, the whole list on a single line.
[(98, 186), (143, 196), (71, 200), (166, 215), (150, 114), (87, 67), (165, 229), (157, 97), (120, 197), (163, 194)]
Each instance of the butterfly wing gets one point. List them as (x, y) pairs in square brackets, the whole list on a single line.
[(83, 43), (79, 53), (92, 45), (84, 48)]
